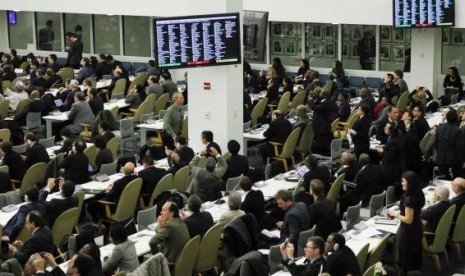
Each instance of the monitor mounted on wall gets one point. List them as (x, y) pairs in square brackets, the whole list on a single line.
[(200, 40), (423, 13)]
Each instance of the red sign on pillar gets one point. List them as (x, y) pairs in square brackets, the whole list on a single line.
[(206, 86)]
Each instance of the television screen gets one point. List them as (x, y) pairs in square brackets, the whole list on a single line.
[(202, 40), (423, 13), (255, 27), (12, 17)]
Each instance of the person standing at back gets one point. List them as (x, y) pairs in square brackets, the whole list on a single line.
[(74, 51)]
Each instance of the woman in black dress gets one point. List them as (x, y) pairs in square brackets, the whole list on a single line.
[(411, 229), (360, 131)]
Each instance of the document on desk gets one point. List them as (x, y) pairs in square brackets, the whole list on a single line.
[(365, 234), (272, 233)]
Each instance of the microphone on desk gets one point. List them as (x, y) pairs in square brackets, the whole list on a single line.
[(57, 82)]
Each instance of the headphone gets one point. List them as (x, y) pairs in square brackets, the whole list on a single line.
[(339, 241)]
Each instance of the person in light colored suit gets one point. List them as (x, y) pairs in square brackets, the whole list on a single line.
[(80, 113)]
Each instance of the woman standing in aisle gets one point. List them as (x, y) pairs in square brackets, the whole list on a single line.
[(411, 229)]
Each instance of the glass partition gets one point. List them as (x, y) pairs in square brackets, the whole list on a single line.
[(136, 34), (20, 31), (107, 34)]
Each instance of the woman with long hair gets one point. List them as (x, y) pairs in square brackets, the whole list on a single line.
[(411, 228)]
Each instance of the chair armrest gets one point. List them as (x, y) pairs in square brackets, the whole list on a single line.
[(107, 207), (275, 146), (428, 233), (133, 110), (104, 202), (127, 114)]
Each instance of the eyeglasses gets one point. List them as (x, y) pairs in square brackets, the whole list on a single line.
[(312, 247)]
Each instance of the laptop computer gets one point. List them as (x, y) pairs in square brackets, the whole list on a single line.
[(58, 102)]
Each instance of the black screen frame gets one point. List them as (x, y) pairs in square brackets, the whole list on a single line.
[(237, 15), (416, 26)]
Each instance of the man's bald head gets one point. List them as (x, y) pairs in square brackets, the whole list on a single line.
[(458, 185), (129, 168)]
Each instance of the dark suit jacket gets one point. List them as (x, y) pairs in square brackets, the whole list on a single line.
[(118, 187), (350, 171), (104, 156), (369, 182), (394, 158), (278, 131), (76, 168), (53, 80), (459, 201), (16, 223), (109, 135), (296, 220), (322, 173), (434, 213), (421, 126), (75, 53), (308, 269), (102, 68), (342, 262), (324, 216), (150, 178), (254, 202), (322, 118), (96, 104), (35, 154), (55, 207), (447, 144), (237, 165), (13, 160), (40, 82), (361, 139), (199, 223), (40, 241)]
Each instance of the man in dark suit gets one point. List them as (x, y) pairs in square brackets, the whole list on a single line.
[(316, 171), (80, 113), (113, 193), (95, 102), (74, 51), (296, 216), (419, 122), (185, 152), (40, 81), (35, 152), (314, 261), (348, 166), (324, 114), (36, 105), (114, 190), (41, 239), (458, 187), (254, 201), (13, 160), (430, 217), (369, 182), (343, 106), (207, 140), (105, 130), (16, 223), (150, 175), (237, 164), (53, 79), (341, 259), (447, 145), (102, 67), (323, 212), (198, 222), (393, 118), (15, 60), (75, 167), (55, 207), (278, 131)]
